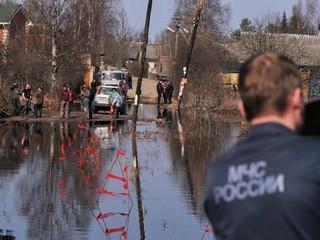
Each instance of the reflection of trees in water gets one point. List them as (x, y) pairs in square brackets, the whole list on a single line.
[(204, 140), (11, 150), (51, 213)]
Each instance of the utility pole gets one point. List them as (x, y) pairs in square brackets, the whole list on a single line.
[(142, 61), (176, 45), (196, 22)]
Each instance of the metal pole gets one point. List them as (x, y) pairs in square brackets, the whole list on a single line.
[(186, 65), (142, 65)]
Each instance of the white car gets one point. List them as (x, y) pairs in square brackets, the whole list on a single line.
[(103, 98), (112, 78)]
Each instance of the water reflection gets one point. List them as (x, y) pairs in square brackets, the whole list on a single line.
[(48, 188), (166, 115), (200, 140), (54, 185), (138, 187), (53, 214)]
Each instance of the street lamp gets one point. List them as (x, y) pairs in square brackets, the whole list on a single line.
[(178, 29)]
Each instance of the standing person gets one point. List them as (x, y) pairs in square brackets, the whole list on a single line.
[(85, 100), (93, 90), (165, 94), (124, 86), (39, 103), (117, 104), (71, 98), (115, 93), (66, 100), (27, 96), (159, 91), (14, 97), (129, 79), (267, 186), (124, 89), (169, 91), (82, 97)]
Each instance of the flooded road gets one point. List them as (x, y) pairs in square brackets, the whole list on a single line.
[(74, 181)]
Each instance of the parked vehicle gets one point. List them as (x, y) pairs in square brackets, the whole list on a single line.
[(103, 98), (112, 78)]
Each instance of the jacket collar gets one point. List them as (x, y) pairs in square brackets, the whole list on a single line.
[(268, 129)]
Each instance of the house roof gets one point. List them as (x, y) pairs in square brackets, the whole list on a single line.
[(8, 11), (303, 49), (153, 51)]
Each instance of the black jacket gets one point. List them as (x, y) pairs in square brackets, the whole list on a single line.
[(93, 89), (159, 88), (266, 187)]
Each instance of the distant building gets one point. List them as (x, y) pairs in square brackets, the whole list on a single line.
[(157, 64), (13, 24), (303, 49)]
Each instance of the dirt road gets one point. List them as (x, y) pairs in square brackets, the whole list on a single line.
[(149, 91)]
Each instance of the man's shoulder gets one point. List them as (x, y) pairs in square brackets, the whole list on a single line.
[(295, 145), (304, 144)]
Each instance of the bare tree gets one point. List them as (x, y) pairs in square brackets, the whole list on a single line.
[(64, 30), (52, 14), (124, 36), (208, 58), (262, 40), (311, 16)]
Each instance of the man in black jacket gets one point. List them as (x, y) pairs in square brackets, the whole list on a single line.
[(94, 85), (159, 91), (268, 185), (15, 94)]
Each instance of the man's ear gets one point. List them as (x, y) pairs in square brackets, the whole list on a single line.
[(297, 105), (241, 109), (297, 99)]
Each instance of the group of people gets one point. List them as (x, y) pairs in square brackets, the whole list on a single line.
[(25, 101), (165, 90), (87, 96)]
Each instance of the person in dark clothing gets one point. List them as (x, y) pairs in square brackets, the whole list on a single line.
[(14, 97), (124, 86), (159, 91), (267, 186), (94, 85), (27, 96), (169, 91), (165, 94), (129, 79)]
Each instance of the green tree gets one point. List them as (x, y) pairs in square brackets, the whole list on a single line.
[(284, 23), (246, 25)]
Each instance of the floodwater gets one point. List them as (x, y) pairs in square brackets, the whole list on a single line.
[(74, 181)]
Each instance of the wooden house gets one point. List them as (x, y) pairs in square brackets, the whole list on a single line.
[(13, 24), (303, 49)]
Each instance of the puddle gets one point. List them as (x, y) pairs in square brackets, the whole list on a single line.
[(53, 181)]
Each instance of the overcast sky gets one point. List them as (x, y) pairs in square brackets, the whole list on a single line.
[(163, 10)]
